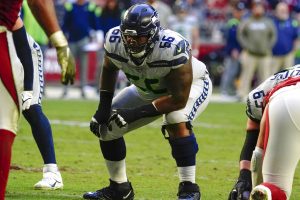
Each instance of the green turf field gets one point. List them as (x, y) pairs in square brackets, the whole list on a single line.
[(150, 168)]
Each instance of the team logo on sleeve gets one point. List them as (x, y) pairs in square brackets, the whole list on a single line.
[(181, 47)]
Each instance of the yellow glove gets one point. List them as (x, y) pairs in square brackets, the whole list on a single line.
[(64, 57)]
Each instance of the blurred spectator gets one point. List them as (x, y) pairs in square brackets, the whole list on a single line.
[(110, 17), (287, 33), (232, 49), (60, 10), (164, 11), (79, 25), (257, 35), (185, 24)]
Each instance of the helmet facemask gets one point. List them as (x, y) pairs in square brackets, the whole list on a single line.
[(138, 45), (139, 30)]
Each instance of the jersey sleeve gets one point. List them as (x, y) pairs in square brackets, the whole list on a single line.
[(112, 37), (171, 51), (113, 46), (181, 53)]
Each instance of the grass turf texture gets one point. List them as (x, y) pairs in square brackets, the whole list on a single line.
[(150, 167)]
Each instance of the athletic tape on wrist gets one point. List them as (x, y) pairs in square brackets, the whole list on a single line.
[(58, 39)]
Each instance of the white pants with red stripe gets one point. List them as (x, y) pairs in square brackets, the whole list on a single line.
[(282, 151), (11, 83)]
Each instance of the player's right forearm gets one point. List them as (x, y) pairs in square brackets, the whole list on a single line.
[(108, 77)]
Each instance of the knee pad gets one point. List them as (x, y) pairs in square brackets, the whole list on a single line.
[(184, 150), (113, 150), (256, 167)]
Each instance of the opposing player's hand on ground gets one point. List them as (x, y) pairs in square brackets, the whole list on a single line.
[(240, 191), (64, 57), (26, 97)]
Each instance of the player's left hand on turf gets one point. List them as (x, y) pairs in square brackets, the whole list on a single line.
[(240, 191), (26, 97)]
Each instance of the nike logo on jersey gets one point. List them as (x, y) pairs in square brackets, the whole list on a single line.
[(179, 49)]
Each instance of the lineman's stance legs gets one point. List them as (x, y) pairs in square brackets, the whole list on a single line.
[(179, 133)]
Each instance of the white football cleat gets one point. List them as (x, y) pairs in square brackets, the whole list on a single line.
[(51, 180)]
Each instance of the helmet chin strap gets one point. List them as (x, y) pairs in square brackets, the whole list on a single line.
[(138, 55)]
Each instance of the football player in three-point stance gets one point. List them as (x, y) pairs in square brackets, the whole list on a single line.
[(251, 158), (166, 81)]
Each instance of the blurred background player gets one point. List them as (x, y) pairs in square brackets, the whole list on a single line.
[(80, 24), (256, 35), (233, 49), (185, 24), (163, 9), (287, 34), (166, 81), (254, 111), (109, 17)]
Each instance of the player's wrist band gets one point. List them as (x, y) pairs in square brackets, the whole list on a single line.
[(58, 39), (104, 106)]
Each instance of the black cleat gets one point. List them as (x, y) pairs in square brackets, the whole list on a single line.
[(188, 191), (114, 191)]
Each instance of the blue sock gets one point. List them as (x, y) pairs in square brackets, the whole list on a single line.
[(41, 131)]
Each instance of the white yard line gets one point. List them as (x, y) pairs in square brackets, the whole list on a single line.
[(155, 124)]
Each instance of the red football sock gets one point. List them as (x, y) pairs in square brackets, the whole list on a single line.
[(277, 193), (6, 141)]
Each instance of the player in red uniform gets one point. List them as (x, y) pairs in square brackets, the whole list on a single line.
[(279, 139), (249, 171), (11, 82)]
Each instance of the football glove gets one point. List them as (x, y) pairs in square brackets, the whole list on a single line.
[(64, 57), (118, 119), (26, 97), (240, 191), (97, 129)]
